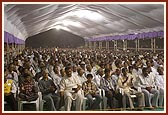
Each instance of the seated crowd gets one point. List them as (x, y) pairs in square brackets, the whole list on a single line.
[(66, 77)]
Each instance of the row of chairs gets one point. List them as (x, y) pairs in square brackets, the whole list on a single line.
[(40, 102)]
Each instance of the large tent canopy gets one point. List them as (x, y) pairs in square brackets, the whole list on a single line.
[(85, 20)]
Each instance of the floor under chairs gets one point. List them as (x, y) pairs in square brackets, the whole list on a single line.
[(31, 107)]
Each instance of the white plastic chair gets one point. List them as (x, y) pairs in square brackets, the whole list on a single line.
[(104, 99), (85, 101), (37, 102)]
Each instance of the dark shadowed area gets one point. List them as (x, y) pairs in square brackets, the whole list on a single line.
[(55, 38)]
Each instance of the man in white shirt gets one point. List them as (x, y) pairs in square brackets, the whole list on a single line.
[(146, 83), (55, 75), (89, 70), (160, 85), (136, 91), (81, 75), (74, 71), (70, 89), (136, 70), (150, 64), (98, 77)]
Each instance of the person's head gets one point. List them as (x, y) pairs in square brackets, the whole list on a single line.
[(102, 65), (118, 63), (100, 71), (62, 72), (42, 64), (89, 67), (25, 70), (148, 63), (27, 77), (11, 67), (135, 66), (82, 65), (21, 69), (145, 71), (68, 71), (89, 77), (52, 62), (107, 65), (27, 65), (118, 71), (56, 70), (149, 69), (124, 71), (152, 62), (45, 74), (15, 62), (74, 68), (93, 64), (160, 70), (6, 72), (125, 64), (35, 59), (130, 69), (107, 72), (80, 71)]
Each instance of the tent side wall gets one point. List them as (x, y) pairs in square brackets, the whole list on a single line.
[(14, 40)]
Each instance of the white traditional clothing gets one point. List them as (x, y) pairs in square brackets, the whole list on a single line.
[(66, 85)]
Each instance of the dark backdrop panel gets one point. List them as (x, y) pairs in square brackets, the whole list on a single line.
[(55, 38)]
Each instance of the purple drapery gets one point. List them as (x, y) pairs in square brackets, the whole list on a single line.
[(161, 34), (145, 35), (9, 38), (6, 37)]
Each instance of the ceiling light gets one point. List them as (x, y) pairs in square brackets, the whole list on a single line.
[(71, 23), (58, 27)]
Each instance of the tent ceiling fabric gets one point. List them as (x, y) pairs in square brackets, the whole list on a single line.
[(86, 20)]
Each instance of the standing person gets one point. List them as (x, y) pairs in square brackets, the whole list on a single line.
[(48, 89), (70, 89), (90, 91)]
